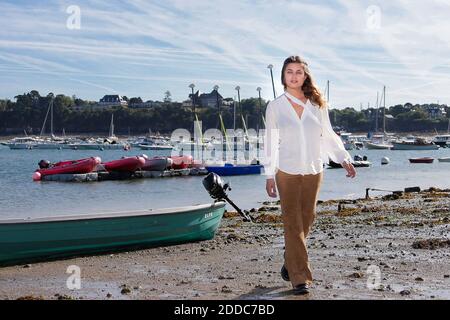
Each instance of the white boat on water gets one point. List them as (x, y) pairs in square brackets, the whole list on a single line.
[(414, 144), (348, 143), (109, 143), (444, 159), (442, 140), (378, 146), (155, 147), (22, 143)]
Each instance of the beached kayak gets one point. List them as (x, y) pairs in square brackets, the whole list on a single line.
[(38, 239)]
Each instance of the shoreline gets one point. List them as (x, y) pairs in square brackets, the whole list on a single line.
[(404, 237)]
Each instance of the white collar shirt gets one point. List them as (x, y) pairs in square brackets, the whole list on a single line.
[(299, 145)]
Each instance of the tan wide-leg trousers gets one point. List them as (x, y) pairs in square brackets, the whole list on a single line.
[(298, 198)]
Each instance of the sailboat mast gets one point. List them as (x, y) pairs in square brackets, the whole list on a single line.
[(51, 117), (328, 90), (111, 127), (45, 119), (384, 109), (376, 115)]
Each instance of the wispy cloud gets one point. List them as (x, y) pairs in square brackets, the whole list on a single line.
[(143, 48)]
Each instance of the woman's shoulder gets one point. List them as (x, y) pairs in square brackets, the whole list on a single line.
[(277, 101), (317, 106)]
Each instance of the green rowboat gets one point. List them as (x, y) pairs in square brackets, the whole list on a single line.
[(39, 239)]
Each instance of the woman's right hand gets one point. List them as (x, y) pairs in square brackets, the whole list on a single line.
[(271, 188)]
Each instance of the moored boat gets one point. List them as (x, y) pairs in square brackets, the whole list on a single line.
[(421, 160), (357, 163), (444, 159), (181, 162), (378, 146), (37, 239), (441, 140), (157, 164), (155, 147), (229, 169), (414, 144), (128, 164), (68, 167)]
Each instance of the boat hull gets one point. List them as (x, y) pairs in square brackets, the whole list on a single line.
[(181, 162), (97, 146), (77, 166), (421, 160), (376, 146), (25, 241), (129, 164), (235, 170), (401, 146), (157, 164), (356, 164), (154, 147), (20, 146)]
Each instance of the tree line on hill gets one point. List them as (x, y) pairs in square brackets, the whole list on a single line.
[(77, 116)]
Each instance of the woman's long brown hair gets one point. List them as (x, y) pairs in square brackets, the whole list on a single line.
[(309, 88)]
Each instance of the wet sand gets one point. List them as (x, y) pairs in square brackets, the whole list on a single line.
[(405, 238)]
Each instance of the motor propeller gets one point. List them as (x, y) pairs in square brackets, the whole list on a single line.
[(216, 188)]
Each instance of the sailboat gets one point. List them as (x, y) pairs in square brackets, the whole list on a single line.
[(378, 140), (51, 142), (109, 143), (443, 140)]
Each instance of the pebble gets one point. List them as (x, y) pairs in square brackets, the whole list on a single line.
[(356, 275), (405, 292), (362, 259), (226, 289), (125, 289)]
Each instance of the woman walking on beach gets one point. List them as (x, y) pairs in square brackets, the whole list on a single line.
[(299, 140)]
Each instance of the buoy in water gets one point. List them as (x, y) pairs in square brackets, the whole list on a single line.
[(36, 176), (385, 160)]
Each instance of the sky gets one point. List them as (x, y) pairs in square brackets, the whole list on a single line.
[(90, 48)]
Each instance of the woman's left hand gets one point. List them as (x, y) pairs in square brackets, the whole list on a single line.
[(351, 172)]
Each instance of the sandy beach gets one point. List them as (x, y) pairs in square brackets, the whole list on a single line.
[(390, 247)]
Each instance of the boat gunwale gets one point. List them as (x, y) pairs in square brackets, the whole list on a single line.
[(114, 215)]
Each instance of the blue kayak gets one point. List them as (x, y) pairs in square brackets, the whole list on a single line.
[(232, 170)]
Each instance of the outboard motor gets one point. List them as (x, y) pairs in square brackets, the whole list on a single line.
[(216, 188), (44, 164)]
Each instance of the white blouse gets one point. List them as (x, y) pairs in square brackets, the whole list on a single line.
[(299, 145)]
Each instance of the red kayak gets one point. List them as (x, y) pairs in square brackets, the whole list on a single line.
[(129, 164), (182, 162), (71, 166), (421, 160)]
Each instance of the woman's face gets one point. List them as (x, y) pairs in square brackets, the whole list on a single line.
[(294, 75)]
